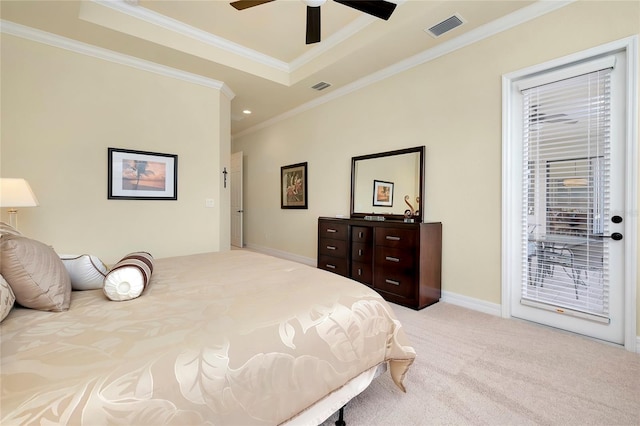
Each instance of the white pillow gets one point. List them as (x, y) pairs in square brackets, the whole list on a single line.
[(129, 277), (86, 271)]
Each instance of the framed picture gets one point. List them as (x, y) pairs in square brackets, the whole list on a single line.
[(293, 186), (382, 193), (140, 175)]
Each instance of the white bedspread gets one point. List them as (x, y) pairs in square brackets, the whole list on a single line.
[(232, 338)]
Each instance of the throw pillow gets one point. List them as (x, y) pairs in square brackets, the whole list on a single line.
[(86, 271), (5, 229), (6, 298), (129, 277), (35, 273)]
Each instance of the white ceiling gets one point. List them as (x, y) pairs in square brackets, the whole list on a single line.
[(259, 53)]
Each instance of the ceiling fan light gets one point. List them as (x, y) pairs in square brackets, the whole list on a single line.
[(314, 3)]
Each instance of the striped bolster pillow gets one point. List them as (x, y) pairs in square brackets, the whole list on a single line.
[(129, 277)]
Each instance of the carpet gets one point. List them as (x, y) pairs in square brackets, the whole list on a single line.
[(478, 369)]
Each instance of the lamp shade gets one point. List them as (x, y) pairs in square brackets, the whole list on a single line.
[(16, 193)]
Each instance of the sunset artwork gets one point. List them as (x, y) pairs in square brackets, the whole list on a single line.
[(144, 175)]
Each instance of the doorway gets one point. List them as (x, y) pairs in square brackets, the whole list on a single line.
[(569, 185), (237, 210)]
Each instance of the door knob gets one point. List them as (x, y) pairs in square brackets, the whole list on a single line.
[(616, 219), (614, 236)]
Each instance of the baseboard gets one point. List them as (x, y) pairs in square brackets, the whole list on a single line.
[(471, 303)]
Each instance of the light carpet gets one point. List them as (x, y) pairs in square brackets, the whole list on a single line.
[(478, 369)]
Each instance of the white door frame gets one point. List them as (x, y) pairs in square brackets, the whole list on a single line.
[(511, 180)]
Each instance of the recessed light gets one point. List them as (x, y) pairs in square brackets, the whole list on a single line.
[(246, 111)]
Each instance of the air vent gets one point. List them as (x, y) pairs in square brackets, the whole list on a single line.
[(445, 26), (320, 86)]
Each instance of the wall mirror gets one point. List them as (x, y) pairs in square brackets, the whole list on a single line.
[(388, 184)]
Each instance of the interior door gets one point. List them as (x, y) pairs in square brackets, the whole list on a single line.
[(236, 200), (573, 193)]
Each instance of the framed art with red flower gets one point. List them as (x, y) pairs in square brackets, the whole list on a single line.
[(293, 186)]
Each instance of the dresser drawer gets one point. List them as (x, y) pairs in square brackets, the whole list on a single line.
[(396, 237), (361, 252), (395, 258), (333, 264), (396, 281), (362, 272), (333, 230), (330, 247), (361, 234)]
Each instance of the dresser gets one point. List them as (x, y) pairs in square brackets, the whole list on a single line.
[(401, 261)]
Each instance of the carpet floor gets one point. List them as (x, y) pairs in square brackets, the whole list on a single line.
[(478, 369)]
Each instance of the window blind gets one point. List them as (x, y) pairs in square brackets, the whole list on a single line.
[(566, 154)]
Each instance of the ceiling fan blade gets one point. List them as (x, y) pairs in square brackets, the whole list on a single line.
[(245, 4), (313, 24), (378, 8)]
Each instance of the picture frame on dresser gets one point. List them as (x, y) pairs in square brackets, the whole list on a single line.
[(382, 193), (141, 175), (293, 186)]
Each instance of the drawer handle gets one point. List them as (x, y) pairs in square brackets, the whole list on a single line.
[(331, 247), (388, 281), (331, 230), (392, 259), (359, 252), (392, 238), (360, 234), (330, 266), (359, 271)]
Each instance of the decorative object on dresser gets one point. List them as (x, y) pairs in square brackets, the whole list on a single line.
[(401, 261), (382, 193), (141, 175), (293, 186)]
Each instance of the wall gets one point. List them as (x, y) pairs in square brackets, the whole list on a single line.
[(60, 112), (453, 106)]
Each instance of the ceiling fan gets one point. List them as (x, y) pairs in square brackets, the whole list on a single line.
[(378, 8)]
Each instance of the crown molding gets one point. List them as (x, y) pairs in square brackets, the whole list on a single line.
[(507, 22), (22, 31), (176, 26)]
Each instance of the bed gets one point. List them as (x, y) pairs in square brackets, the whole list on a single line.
[(228, 338)]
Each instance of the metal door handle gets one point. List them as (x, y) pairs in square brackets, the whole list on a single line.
[(616, 236)]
